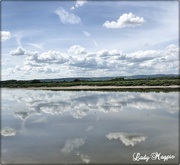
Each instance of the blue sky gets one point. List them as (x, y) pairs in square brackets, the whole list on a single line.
[(55, 39)]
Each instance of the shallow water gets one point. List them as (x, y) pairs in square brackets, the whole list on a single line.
[(66, 127)]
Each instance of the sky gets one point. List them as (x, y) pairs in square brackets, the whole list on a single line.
[(60, 39)]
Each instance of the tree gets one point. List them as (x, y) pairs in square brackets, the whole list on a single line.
[(35, 81), (76, 80)]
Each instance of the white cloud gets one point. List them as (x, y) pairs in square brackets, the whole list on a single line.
[(8, 131), (77, 49), (22, 52), (79, 3), (77, 61), (66, 17), (87, 34), (50, 57), (103, 52), (72, 8), (5, 35), (127, 138), (144, 55), (125, 20), (70, 145), (18, 52)]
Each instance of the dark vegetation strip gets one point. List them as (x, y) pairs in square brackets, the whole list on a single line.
[(162, 81)]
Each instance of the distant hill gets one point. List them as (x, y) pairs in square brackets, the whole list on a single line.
[(74, 78), (108, 78)]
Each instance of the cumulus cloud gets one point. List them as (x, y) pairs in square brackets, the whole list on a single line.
[(70, 145), (127, 138), (66, 17), (87, 62), (141, 56), (18, 52), (125, 20), (21, 52), (5, 35), (77, 49), (100, 63), (8, 131), (50, 57)]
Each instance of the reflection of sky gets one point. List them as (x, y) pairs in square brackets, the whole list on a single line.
[(8, 131), (88, 126), (80, 103), (70, 145), (127, 138)]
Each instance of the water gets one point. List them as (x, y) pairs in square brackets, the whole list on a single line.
[(66, 127)]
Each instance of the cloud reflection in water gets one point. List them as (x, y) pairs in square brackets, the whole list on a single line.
[(8, 131), (127, 138), (84, 158), (75, 123), (72, 144), (79, 104)]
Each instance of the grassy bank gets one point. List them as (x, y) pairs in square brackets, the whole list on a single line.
[(166, 81)]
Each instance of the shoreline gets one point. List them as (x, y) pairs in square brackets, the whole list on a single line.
[(102, 87)]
